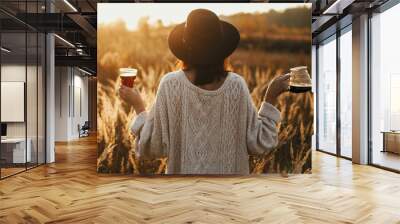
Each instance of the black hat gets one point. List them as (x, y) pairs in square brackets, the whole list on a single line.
[(203, 38)]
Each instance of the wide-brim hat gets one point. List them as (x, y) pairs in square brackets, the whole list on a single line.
[(203, 38)]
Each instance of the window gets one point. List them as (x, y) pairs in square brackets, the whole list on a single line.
[(22, 77), (346, 93), (327, 96), (385, 89), (314, 90)]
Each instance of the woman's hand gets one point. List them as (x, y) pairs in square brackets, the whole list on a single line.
[(277, 86), (133, 98)]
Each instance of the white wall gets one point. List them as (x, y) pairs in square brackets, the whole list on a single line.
[(13, 73), (79, 117), (61, 103), (70, 84)]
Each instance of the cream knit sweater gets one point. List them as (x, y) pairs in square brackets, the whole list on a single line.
[(202, 131)]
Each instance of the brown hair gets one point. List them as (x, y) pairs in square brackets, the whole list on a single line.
[(205, 74)]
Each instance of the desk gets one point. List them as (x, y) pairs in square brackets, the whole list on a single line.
[(391, 141), (13, 150)]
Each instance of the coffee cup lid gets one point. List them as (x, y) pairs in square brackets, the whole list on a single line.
[(298, 68), (128, 70)]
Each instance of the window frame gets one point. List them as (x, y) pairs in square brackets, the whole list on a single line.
[(381, 9), (333, 37)]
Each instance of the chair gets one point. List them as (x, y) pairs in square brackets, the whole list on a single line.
[(84, 130)]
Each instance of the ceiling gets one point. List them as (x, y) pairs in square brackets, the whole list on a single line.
[(76, 22)]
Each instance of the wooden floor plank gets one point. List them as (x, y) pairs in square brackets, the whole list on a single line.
[(70, 191)]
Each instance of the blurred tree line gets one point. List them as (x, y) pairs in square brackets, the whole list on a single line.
[(295, 21), (288, 30)]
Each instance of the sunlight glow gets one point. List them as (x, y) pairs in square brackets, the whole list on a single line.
[(172, 13)]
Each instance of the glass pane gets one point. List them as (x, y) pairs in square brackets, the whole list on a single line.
[(346, 94), (314, 88), (32, 88), (23, 87), (327, 96), (41, 98), (385, 89), (31, 97), (13, 87)]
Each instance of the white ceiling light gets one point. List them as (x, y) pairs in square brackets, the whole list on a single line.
[(338, 6), (79, 51), (84, 71), (65, 41), (70, 5), (5, 50)]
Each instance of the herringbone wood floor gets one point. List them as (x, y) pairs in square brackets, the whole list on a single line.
[(70, 191)]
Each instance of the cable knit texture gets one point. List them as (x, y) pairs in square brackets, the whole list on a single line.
[(202, 131)]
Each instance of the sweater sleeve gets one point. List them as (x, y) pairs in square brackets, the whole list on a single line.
[(151, 129), (262, 133)]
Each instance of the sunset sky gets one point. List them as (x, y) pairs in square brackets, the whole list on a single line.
[(177, 12)]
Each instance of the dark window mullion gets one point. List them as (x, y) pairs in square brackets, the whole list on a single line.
[(37, 91), (369, 100), (44, 72), (0, 96), (26, 87), (338, 76), (316, 97)]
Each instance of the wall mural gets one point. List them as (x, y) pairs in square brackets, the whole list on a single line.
[(274, 37)]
